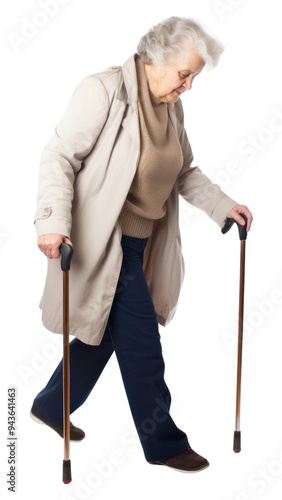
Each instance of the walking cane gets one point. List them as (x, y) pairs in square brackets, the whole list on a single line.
[(243, 236), (66, 253)]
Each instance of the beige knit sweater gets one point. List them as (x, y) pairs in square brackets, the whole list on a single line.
[(159, 164)]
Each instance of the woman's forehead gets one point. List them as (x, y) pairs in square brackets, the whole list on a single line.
[(191, 61)]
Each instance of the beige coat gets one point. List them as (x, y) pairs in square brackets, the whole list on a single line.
[(85, 173)]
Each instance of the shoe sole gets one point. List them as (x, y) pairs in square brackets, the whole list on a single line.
[(38, 421), (184, 471)]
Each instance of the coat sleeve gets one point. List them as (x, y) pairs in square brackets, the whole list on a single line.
[(62, 157), (195, 187)]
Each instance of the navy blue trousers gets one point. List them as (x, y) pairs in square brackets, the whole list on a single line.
[(132, 332)]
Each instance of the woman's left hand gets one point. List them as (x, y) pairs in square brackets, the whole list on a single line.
[(235, 212)]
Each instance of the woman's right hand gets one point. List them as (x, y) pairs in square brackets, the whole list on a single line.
[(49, 244)]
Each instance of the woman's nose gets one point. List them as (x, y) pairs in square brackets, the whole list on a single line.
[(188, 84)]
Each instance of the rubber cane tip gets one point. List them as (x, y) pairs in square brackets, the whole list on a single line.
[(66, 471), (237, 442)]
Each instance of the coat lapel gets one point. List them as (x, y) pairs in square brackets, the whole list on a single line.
[(128, 93)]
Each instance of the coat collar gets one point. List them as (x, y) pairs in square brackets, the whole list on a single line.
[(129, 88)]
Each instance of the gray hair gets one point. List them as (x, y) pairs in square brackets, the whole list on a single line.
[(167, 41)]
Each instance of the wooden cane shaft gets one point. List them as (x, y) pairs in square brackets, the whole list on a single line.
[(66, 367), (240, 332)]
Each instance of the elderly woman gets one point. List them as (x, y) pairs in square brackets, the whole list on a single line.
[(109, 184)]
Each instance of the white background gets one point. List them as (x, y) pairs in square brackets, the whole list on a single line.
[(227, 108)]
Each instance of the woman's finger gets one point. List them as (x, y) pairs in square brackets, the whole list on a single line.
[(235, 213)]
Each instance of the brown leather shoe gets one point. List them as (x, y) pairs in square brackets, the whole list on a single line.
[(187, 461), (76, 434)]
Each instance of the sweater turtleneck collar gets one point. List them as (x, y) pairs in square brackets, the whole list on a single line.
[(143, 82)]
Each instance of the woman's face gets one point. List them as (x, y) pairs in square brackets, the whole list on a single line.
[(168, 82)]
